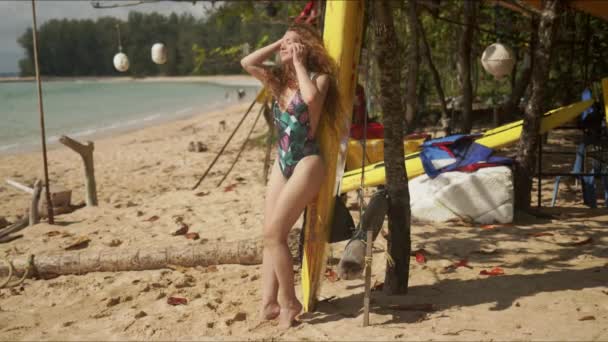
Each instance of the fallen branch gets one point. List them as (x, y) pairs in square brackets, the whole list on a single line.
[(15, 227), (243, 252)]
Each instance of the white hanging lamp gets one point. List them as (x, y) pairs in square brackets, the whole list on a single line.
[(121, 61), (497, 60), (159, 53)]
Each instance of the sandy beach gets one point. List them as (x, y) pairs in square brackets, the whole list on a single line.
[(554, 285)]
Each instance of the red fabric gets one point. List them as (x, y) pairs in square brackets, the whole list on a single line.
[(476, 166), (306, 11), (375, 130), (446, 149)]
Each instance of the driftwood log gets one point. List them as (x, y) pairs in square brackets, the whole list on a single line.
[(86, 153), (15, 227), (34, 215), (243, 252)]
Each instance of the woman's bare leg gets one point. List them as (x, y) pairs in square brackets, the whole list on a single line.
[(301, 188), (270, 285)]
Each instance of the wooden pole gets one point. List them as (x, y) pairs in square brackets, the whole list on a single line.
[(49, 205), (236, 159), (224, 147), (34, 215), (86, 153)]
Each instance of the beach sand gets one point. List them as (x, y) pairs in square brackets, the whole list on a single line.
[(554, 286)]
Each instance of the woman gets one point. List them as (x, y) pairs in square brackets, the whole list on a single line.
[(303, 87)]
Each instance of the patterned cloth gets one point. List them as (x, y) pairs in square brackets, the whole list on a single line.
[(293, 126)]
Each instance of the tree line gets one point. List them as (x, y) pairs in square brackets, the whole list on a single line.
[(195, 46)]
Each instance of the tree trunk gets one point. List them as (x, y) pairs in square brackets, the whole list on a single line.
[(511, 107), (426, 51), (411, 105), (399, 244), (464, 56), (243, 252), (527, 147)]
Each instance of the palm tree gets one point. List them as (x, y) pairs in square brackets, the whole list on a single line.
[(399, 243)]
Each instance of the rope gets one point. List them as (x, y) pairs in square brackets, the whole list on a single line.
[(11, 269)]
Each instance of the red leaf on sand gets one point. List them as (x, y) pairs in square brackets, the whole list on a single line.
[(462, 263), (331, 275), (378, 286), (493, 272), (152, 219), (488, 226), (182, 230), (177, 301), (420, 258), (192, 236), (230, 187)]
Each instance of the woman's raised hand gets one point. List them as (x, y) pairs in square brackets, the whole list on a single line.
[(298, 52)]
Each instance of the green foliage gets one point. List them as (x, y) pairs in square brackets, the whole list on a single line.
[(212, 45)]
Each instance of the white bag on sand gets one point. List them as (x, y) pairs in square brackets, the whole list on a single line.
[(484, 196)]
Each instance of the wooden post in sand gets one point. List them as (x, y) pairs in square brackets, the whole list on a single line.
[(86, 153), (34, 215), (41, 111)]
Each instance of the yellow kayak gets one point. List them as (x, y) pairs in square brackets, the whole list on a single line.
[(495, 138), (342, 35), (374, 151)]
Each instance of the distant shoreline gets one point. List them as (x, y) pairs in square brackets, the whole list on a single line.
[(233, 80)]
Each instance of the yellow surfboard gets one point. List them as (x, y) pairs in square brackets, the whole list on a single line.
[(495, 138), (342, 34)]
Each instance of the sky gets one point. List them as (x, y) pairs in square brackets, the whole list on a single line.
[(16, 17)]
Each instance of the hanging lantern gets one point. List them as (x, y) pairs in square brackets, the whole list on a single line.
[(159, 53), (497, 60), (121, 62)]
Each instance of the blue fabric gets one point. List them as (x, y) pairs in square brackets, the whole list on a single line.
[(461, 147)]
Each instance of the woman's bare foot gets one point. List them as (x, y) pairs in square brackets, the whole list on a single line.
[(271, 311), (288, 314)]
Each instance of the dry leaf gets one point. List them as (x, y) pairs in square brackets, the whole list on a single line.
[(177, 301), (230, 187), (192, 236), (331, 275), (183, 229), (152, 218), (496, 271)]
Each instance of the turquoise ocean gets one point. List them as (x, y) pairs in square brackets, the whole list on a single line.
[(84, 109)]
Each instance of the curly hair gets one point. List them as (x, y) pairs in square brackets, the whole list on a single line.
[(318, 61)]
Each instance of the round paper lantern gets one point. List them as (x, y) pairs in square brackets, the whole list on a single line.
[(159, 53), (121, 62), (497, 60)]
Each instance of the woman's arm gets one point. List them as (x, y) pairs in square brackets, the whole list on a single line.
[(313, 91), (252, 63)]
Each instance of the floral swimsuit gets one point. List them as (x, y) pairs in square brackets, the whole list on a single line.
[(293, 126)]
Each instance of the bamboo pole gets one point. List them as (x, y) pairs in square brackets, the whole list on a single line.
[(41, 111), (236, 159), (225, 144)]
